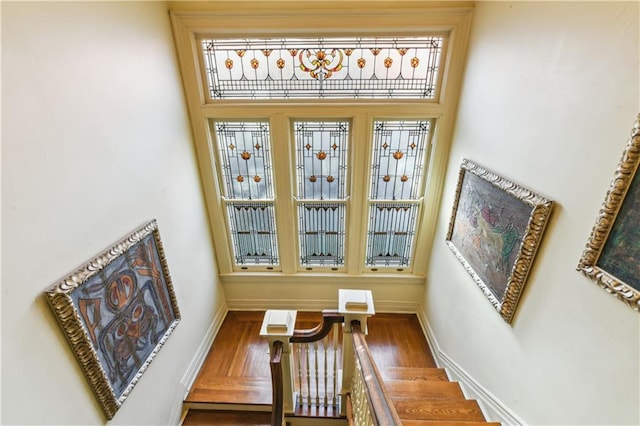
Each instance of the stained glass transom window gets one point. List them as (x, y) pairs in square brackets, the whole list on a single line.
[(299, 68), (396, 173), (321, 164), (245, 165)]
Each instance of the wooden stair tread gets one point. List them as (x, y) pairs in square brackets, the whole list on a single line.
[(232, 390), (419, 389), (457, 410), (414, 373), (215, 417)]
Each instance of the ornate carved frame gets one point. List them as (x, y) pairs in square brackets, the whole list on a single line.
[(614, 198), (540, 210), (59, 298)]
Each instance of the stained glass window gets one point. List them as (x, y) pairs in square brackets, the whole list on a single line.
[(253, 233), (321, 164), (321, 234), (396, 172), (246, 163), (298, 68), (391, 230), (245, 159)]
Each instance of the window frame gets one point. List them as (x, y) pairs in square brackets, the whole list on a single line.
[(271, 19)]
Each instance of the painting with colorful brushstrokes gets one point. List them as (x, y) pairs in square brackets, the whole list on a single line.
[(611, 257), (116, 312), (495, 229)]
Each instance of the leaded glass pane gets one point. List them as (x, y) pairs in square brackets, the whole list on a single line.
[(245, 157), (296, 68), (392, 227), (398, 157), (321, 234), (321, 159), (253, 233), (321, 164)]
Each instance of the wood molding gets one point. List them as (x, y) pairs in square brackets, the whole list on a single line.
[(317, 305)]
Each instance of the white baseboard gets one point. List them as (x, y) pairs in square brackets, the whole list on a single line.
[(493, 409), (313, 305), (177, 414), (196, 363), (294, 304), (200, 355), (396, 307)]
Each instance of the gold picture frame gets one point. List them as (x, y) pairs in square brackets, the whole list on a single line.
[(116, 312), (611, 257), (495, 229)]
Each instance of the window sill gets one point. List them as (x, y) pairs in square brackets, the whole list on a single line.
[(303, 278)]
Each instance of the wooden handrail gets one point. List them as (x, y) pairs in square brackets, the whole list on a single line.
[(381, 406), (277, 386), (329, 317)]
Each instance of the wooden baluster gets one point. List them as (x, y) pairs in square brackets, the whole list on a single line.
[(308, 375), (330, 321), (357, 392), (326, 371), (299, 347), (315, 351), (335, 364), (367, 415)]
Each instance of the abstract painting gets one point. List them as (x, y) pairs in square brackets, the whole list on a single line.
[(116, 312), (612, 255), (495, 230)]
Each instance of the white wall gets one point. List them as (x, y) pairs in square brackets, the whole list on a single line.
[(95, 142), (549, 98)]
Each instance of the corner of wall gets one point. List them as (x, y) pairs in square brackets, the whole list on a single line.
[(196, 363)]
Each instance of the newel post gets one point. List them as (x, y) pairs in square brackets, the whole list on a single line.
[(354, 305), (278, 325)]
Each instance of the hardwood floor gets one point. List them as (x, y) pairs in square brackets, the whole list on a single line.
[(236, 376), (236, 370), (397, 340)]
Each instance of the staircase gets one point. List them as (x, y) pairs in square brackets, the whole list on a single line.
[(234, 387), (421, 396), (226, 417), (425, 396)]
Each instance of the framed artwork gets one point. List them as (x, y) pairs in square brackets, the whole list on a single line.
[(612, 255), (116, 312), (495, 230)]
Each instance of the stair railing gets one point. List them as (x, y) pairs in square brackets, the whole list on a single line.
[(316, 362), (277, 387), (306, 367), (371, 404)]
